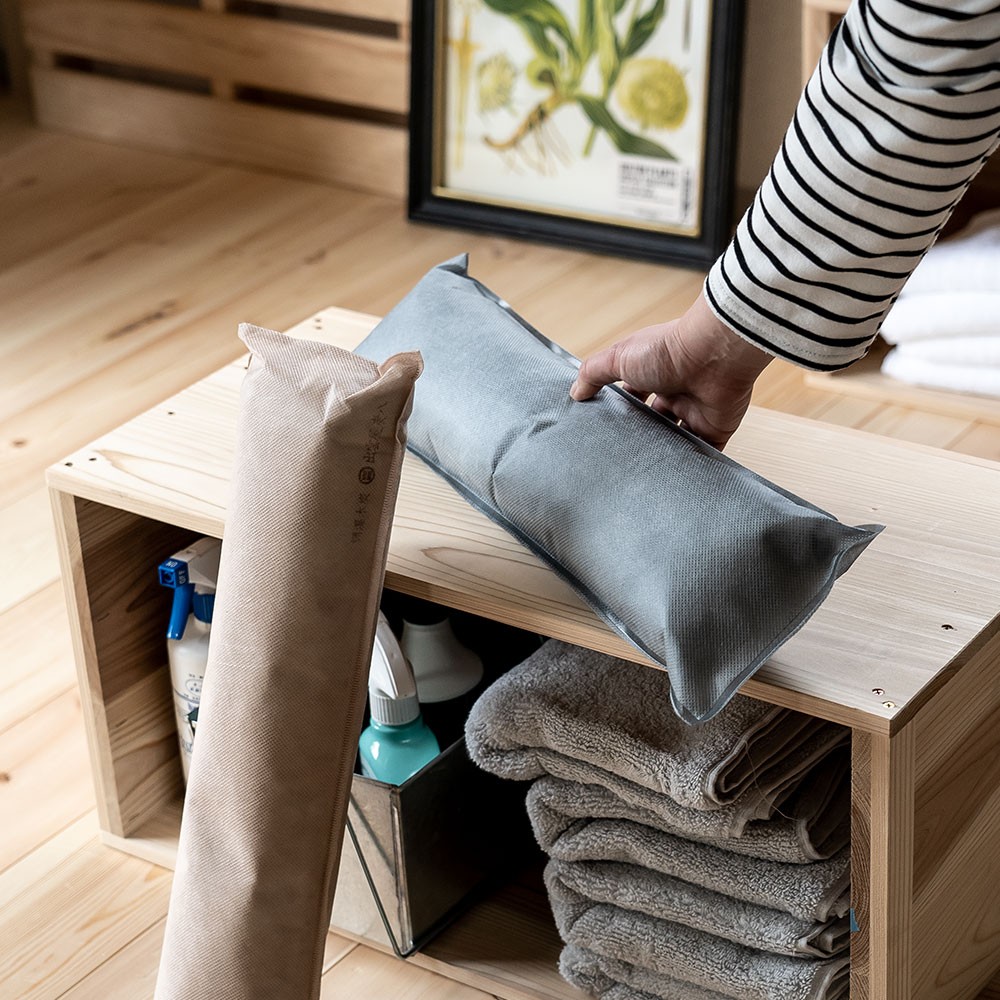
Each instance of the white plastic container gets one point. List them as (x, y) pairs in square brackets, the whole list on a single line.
[(187, 657), (444, 669), (192, 574)]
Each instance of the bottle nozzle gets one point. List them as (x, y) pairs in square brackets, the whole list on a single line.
[(192, 575), (180, 610), (391, 688)]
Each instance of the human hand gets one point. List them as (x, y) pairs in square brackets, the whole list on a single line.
[(695, 368)]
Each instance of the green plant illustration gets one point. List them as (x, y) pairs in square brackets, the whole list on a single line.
[(609, 33)]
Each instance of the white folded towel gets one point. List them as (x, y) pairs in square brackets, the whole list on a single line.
[(981, 352), (944, 315), (967, 262), (984, 381)]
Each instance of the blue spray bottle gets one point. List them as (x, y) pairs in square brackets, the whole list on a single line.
[(192, 574), (397, 743)]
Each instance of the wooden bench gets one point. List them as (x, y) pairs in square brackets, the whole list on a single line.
[(906, 651)]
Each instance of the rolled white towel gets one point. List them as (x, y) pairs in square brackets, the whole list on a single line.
[(947, 315), (978, 352), (969, 261), (932, 374)]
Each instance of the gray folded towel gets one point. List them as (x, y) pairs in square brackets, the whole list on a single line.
[(588, 717), (632, 887), (813, 825), (816, 892), (690, 955), (612, 979)]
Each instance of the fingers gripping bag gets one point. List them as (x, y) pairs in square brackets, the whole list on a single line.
[(701, 564), (319, 447)]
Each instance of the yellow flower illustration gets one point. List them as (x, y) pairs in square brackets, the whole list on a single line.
[(653, 93)]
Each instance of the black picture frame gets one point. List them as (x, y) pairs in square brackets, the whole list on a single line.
[(429, 202)]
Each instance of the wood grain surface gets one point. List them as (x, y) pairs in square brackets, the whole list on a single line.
[(76, 919), (941, 548)]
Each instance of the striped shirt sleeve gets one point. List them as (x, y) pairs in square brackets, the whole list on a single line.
[(899, 116)]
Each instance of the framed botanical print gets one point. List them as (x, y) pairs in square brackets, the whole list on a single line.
[(607, 125)]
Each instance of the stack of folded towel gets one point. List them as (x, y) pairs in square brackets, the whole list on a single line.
[(686, 862), (946, 323)]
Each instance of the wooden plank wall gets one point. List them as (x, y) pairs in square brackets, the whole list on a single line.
[(956, 865), (319, 89)]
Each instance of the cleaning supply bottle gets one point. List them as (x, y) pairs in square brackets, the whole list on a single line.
[(397, 744), (449, 675), (192, 574)]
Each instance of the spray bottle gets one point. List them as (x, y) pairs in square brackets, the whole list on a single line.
[(397, 743), (192, 574)]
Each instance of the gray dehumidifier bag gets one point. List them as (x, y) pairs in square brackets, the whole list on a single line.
[(698, 562), (318, 455)]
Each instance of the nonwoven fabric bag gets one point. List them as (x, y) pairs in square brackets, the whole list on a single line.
[(318, 454), (704, 566)]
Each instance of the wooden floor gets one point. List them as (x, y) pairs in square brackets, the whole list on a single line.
[(123, 275)]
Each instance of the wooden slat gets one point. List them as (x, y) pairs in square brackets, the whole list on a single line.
[(982, 439), (34, 867), (956, 912), (27, 542), (89, 181), (846, 411), (366, 973), (221, 87), (908, 424), (130, 974), (832, 6), (507, 946), (143, 746), (116, 625), (866, 381), (119, 555), (395, 11), (77, 916), (43, 777), (861, 863), (38, 656), (177, 243), (607, 301), (362, 70), (11, 39), (357, 154), (890, 931), (817, 23), (88, 679)]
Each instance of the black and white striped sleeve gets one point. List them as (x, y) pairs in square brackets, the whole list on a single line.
[(901, 113)]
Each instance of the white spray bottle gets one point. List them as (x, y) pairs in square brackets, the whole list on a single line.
[(397, 743), (192, 574)]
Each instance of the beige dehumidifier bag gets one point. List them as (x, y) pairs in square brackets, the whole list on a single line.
[(318, 455)]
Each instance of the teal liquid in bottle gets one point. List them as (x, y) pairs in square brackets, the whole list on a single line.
[(397, 743), (394, 753)]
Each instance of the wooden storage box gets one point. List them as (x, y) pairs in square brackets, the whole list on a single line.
[(906, 651), (315, 87)]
